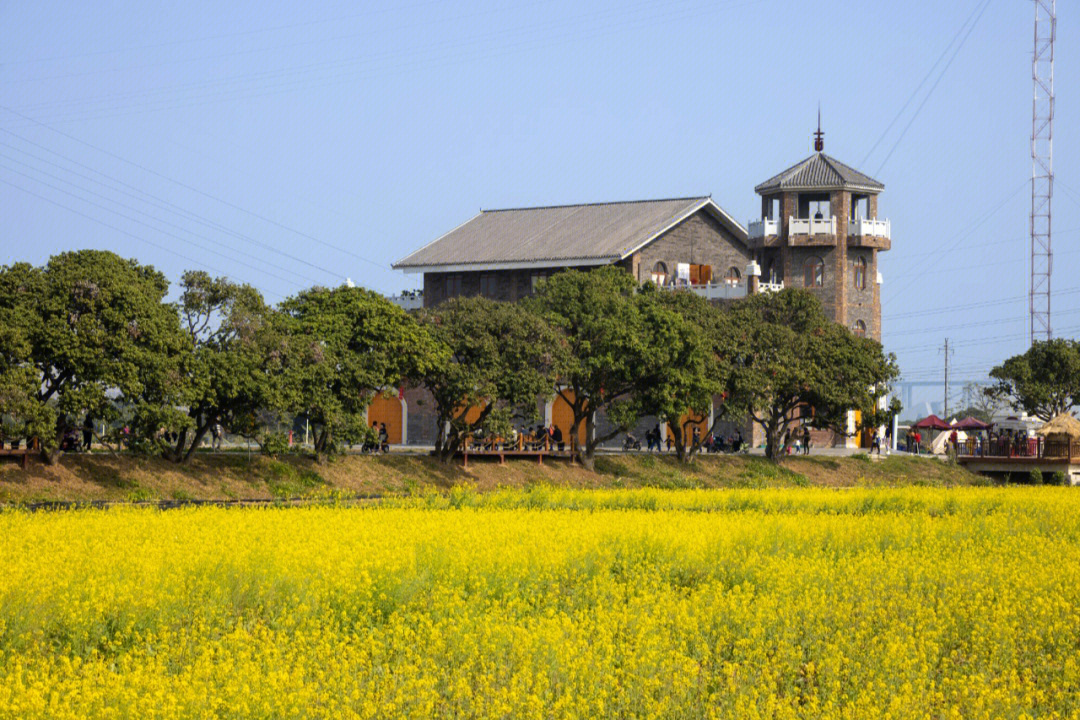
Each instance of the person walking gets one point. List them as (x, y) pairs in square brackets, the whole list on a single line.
[(806, 439), (217, 434), (87, 432)]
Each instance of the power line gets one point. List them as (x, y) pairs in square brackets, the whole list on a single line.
[(194, 189), (151, 216), (932, 88), (156, 229), (162, 203), (921, 83)]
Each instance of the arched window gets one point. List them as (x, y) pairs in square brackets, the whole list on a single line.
[(813, 272), (859, 328), (659, 274), (732, 278), (860, 273)]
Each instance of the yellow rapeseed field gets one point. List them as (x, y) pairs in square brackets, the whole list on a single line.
[(904, 603)]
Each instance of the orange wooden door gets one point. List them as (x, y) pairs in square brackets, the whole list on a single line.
[(562, 417), (689, 421), (387, 410)]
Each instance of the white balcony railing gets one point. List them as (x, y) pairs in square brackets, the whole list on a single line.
[(812, 226), (875, 228), (763, 228), (408, 300), (725, 290)]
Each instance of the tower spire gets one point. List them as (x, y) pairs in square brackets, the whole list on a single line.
[(819, 137)]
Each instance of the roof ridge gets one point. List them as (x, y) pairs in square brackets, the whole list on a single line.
[(594, 204)]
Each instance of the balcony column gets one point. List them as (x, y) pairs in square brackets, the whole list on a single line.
[(840, 206), (871, 207), (789, 207)]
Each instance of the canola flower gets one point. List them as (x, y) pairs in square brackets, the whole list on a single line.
[(794, 603)]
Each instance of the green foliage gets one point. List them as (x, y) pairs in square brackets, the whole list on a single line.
[(500, 357), (236, 365), (1058, 478), (684, 357), (343, 346), (789, 358), (90, 331), (1044, 381), (606, 348)]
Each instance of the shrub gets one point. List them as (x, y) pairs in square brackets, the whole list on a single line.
[(1035, 477), (1058, 478)]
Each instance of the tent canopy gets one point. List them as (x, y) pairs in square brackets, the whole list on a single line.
[(931, 422), (1063, 424), (972, 423)]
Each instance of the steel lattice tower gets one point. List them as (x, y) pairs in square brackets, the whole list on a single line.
[(1042, 167)]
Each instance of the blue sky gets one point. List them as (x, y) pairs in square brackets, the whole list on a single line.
[(290, 143)]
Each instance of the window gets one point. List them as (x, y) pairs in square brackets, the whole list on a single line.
[(489, 285), (860, 273), (660, 273), (453, 286), (813, 272), (732, 278), (859, 328)]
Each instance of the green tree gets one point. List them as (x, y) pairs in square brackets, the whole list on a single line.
[(601, 322), (684, 363), (99, 334), (500, 357), (345, 345), (1044, 381), (792, 363), (237, 362)]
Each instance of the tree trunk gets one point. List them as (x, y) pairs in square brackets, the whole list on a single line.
[(200, 433), (679, 439)]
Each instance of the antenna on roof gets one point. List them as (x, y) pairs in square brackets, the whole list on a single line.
[(819, 137)]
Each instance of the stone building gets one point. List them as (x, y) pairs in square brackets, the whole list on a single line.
[(819, 229)]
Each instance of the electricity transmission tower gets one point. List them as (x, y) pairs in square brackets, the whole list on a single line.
[(1042, 168)]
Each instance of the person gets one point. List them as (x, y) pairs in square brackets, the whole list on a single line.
[(217, 433), (696, 437), (917, 438), (87, 432), (737, 442), (954, 441), (806, 439), (557, 437), (875, 443), (384, 438), (670, 442)]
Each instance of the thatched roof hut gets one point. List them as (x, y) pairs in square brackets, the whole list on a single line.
[(1063, 427)]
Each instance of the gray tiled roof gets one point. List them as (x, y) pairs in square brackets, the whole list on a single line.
[(581, 234), (820, 172)]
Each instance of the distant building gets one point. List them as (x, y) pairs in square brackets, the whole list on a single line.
[(502, 254), (819, 229)]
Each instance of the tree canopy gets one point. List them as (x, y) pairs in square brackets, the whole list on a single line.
[(791, 363), (500, 359), (344, 345), (1044, 381), (596, 314), (95, 331)]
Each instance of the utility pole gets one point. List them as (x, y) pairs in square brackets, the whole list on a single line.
[(945, 412)]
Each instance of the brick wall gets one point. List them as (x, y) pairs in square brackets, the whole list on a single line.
[(699, 239)]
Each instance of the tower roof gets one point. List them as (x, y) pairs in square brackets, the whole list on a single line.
[(820, 172)]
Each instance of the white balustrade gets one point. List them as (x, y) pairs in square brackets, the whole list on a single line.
[(812, 226), (763, 228), (875, 228)]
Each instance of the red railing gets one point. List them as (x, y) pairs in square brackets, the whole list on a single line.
[(1009, 447)]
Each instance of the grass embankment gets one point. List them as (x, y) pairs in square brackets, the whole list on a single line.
[(239, 476)]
